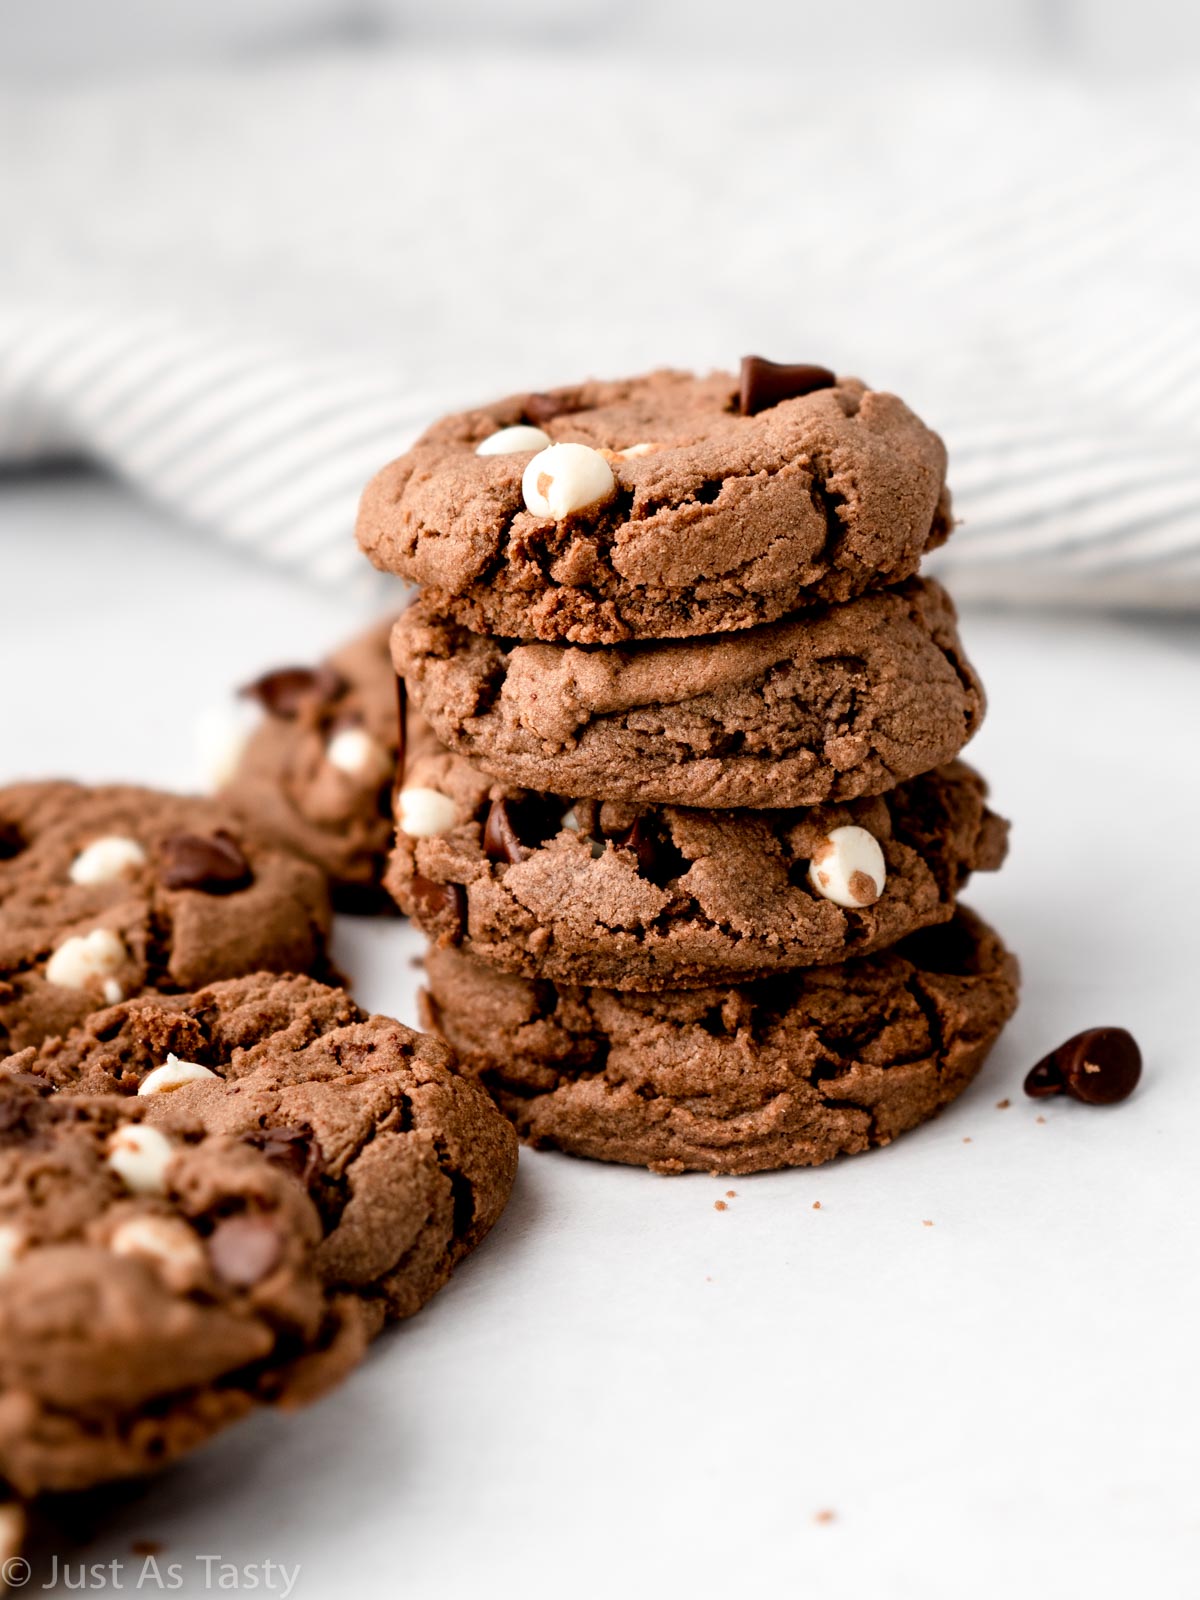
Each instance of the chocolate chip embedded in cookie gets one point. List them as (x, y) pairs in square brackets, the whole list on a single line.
[(317, 772), (842, 702), (111, 891), (787, 1072), (171, 1261), (685, 512), (581, 892)]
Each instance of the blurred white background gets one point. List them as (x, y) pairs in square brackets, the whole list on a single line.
[(250, 249), (55, 37)]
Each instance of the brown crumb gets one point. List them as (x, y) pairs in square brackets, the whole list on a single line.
[(1040, 1119), (719, 1205), (731, 1194), (927, 1224), (147, 1547), (1003, 1105), (816, 1205), (825, 1516), (416, 961), (966, 1138)]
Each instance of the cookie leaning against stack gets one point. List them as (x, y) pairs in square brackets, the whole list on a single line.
[(695, 810)]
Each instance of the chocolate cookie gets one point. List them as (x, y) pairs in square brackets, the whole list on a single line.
[(842, 702), (210, 1203), (685, 516), (317, 773), (787, 1072), (107, 892), (606, 894)]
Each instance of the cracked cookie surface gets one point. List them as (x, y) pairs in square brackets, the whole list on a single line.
[(726, 521), (791, 1071), (325, 797), (846, 701), (551, 887), (145, 890), (172, 1260)]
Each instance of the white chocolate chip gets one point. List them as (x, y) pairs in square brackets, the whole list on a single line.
[(354, 752), (849, 868), (628, 452), (162, 1080), (220, 739), (423, 813), (113, 992), (86, 960), (513, 441), (12, 1244), (167, 1240), (140, 1156), (107, 858), (565, 478)]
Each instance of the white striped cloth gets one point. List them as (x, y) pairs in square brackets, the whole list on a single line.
[(244, 292)]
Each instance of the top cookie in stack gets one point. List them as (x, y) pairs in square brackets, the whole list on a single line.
[(698, 718), (713, 506)]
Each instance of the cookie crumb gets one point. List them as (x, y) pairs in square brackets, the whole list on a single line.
[(147, 1547), (825, 1516), (1042, 1120), (731, 1194), (719, 1205), (1003, 1105), (966, 1138), (816, 1205), (417, 962), (926, 1223)]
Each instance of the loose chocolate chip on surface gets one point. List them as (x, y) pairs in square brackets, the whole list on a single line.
[(244, 1249), (1044, 1079), (1098, 1066), (438, 900), (285, 690), (766, 383), (211, 862)]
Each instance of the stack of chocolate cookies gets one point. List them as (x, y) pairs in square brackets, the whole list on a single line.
[(681, 808)]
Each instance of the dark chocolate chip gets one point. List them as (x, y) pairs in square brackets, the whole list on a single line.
[(1098, 1066), (284, 691), (210, 862), (11, 842), (292, 1148), (539, 408), (658, 857), (766, 383), (1044, 1079), (29, 1080), (244, 1249), (441, 903), (501, 838)]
